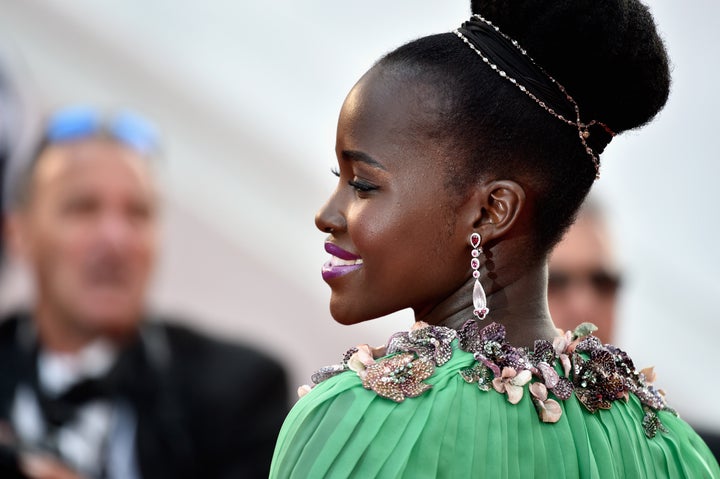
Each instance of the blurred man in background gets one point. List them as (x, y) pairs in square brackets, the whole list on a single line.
[(583, 284), (89, 386), (584, 276)]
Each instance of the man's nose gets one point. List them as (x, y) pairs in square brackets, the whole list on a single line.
[(115, 229)]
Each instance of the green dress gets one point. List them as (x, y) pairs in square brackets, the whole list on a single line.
[(438, 406)]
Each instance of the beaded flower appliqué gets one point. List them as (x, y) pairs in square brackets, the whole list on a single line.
[(596, 374), (411, 357)]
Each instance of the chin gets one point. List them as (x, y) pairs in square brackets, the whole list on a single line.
[(110, 321), (347, 315)]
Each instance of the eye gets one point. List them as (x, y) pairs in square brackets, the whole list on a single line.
[(81, 205), (140, 211), (359, 185), (362, 186)]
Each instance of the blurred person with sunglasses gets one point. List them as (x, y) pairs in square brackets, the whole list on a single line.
[(584, 277), (584, 281), (90, 386)]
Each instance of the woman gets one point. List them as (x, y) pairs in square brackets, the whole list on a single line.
[(462, 158)]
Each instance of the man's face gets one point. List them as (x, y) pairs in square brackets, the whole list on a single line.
[(583, 279), (89, 233)]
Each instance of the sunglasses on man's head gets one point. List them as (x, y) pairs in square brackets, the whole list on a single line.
[(602, 282), (75, 123)]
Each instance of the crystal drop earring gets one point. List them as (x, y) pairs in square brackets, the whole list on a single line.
[(479, 299)]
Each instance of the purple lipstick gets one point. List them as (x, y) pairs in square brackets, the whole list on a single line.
[(341, 262)]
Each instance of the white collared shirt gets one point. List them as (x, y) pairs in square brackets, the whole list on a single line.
[(101, 437)]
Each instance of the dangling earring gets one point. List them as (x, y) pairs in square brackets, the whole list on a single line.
[(479, 300)]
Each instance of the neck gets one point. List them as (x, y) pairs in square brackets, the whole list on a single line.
[(520, 306)]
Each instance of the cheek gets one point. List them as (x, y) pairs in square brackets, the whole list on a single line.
[(378, 228), (406, 236), (607, 305), (147, 249), (65, 244)]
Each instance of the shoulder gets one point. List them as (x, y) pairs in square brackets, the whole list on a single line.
[(457, 419), (8, 328), (491, 398), (10, 354), (209, 368), (233, 398), (193, 350)]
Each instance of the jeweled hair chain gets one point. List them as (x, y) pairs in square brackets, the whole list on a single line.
[(582, 128)]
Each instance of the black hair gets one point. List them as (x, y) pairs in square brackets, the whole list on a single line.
[(609, 57)]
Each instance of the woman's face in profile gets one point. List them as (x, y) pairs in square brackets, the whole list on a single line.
[(392, 220)]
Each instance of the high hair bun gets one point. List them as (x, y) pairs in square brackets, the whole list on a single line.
[(607, 54)]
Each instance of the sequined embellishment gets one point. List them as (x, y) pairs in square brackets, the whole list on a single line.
[(398, 377), (411, 358), (651, 423), (576, 363), (597, 374), (433, 343), (478, 374)]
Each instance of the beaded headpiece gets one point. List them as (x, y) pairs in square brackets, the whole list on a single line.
[(488, 41)]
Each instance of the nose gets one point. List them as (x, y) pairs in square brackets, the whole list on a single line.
[(115, 230), (583, 302), (330, 218)]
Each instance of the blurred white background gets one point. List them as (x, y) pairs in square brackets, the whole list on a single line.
[(247, 95)]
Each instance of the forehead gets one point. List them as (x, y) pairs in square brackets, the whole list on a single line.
[(587, 243), (388, 103), (97, 161)]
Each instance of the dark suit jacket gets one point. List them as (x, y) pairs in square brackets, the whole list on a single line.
[(205, 408), (712, 439)]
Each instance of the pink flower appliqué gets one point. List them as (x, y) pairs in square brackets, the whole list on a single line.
[(303, 390), (648, 374), (361, 359), (512, 382), (549, 410), (567, 341)]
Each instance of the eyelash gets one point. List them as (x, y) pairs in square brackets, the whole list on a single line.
[(360, 186)]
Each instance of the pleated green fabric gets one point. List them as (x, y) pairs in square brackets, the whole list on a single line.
[(456, 430)]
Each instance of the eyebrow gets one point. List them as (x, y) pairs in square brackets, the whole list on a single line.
[(353, 155)]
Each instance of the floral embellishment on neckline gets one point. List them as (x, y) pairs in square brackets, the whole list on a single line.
[(549, 410), (596, 374), (411, 357), (574, 363), (478, 374), (433, 343), (398, 377), (511, 382), (597, 381)]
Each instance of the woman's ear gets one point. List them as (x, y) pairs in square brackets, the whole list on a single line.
[(494, 208)]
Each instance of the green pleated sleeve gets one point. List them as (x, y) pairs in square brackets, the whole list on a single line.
[(456, 430)]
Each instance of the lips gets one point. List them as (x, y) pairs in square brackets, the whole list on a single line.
[(107, 274), (341, 262)]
